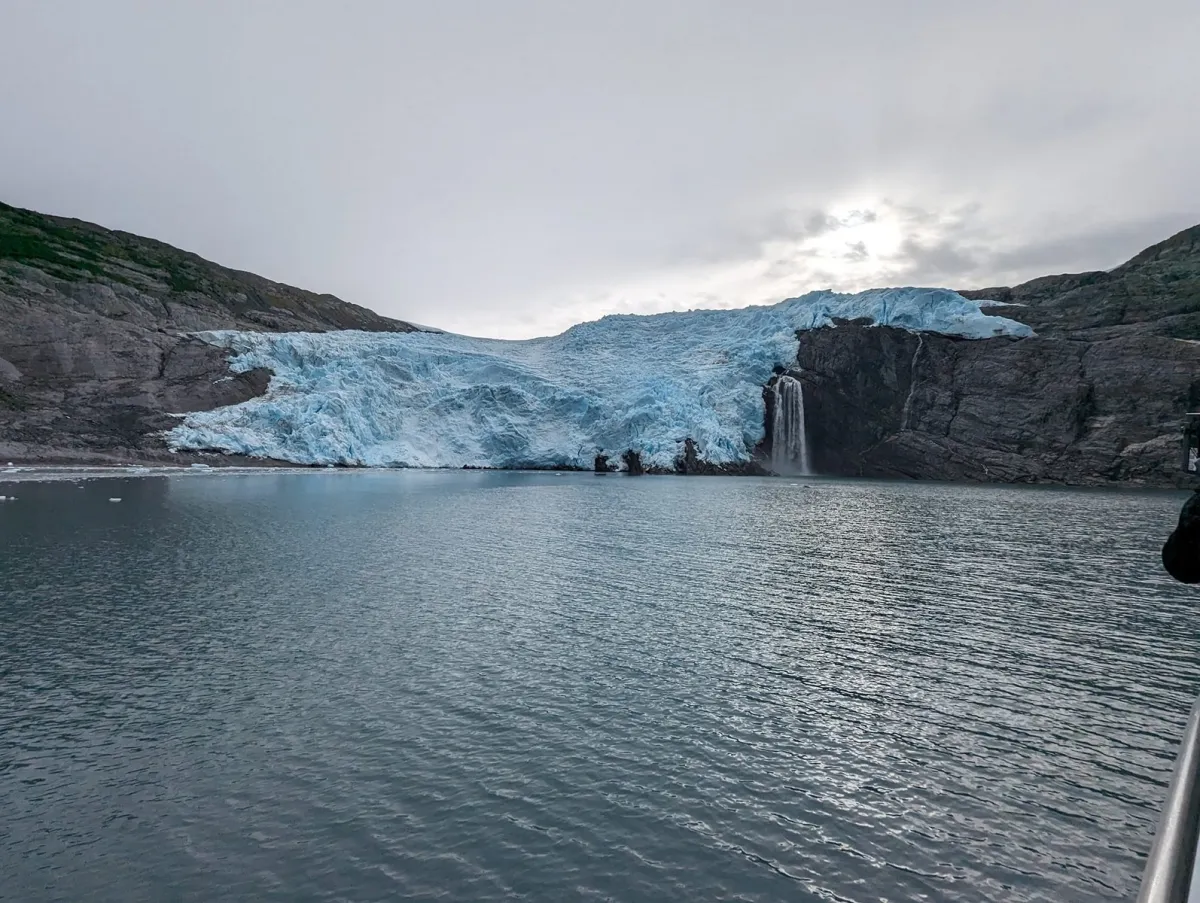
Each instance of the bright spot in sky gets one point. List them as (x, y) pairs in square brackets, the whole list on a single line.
[(855, 246), (861, 232)]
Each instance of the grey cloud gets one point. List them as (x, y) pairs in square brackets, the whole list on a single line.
[(818, 223), (741, 239), (856, 251), (938, 262), (970, 257), (798, 261), (779, 225), (1091, 248)]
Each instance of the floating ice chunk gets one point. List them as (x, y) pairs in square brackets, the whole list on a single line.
[(643, 382), (114, 500)]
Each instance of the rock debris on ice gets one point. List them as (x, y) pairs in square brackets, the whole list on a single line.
[(443, 400)]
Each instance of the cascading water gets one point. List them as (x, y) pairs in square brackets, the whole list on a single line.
[(789, 436)]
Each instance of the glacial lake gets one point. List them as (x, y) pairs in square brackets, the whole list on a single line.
[(548, 687)]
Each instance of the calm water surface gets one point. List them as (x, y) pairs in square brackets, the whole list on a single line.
[(473, 686)]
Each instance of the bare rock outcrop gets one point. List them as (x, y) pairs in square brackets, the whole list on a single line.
[(1097, 397)]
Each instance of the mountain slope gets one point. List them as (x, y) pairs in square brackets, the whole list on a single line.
[(143, 280), (1097, 397), (93, 352), (1155, 293)]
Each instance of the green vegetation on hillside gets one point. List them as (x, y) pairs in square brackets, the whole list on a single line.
[(76, 251), (73, 251)]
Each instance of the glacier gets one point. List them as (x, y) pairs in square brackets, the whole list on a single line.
[(435, 399)]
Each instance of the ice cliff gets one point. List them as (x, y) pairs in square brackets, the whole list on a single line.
[(644, 382)]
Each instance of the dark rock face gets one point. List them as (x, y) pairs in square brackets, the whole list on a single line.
[(633, 463), (600, 465), (688, 461), (94, 356), (884, 402), (1085, 402)]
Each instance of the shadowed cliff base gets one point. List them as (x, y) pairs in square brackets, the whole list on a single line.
[(886, 403)]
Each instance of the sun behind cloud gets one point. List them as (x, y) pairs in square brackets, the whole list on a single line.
[(863, 243)]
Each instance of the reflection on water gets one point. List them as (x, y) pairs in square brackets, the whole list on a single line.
[(486, 686)]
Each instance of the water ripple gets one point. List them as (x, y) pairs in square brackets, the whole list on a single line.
[(543, 687)]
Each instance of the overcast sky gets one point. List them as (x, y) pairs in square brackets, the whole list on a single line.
[(509, 168)]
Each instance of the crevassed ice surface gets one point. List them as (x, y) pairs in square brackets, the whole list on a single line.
[(624, 381)]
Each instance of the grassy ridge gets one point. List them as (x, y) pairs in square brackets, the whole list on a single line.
[(74, 251)]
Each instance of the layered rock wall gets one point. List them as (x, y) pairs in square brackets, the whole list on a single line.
[(887, 403)]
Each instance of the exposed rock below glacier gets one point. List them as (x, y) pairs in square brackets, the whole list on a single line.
[(689, 461), (633, 463), (93, 359), (887, 403)]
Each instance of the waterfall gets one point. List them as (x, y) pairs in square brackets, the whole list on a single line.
[(906, 413), (789, 436)]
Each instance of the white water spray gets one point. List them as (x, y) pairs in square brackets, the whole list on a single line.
[(789, 435)]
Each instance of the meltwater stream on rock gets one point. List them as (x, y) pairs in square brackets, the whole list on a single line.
[(507, 686)]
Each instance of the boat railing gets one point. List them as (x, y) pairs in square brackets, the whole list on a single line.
[(1168, 875)]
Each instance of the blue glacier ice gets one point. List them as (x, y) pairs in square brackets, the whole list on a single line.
[(430, 399)]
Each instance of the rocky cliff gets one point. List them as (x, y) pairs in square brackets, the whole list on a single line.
[(94, 356), (1097, 397)]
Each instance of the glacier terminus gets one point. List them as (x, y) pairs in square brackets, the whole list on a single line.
[(647, 383)]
